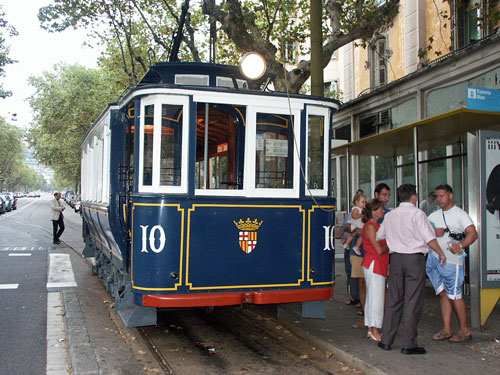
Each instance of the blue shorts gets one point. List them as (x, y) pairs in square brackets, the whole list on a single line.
[(449, 278)]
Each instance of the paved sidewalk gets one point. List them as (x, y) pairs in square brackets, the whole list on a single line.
[(336, 334)]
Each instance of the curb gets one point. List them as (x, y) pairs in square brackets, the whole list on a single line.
[(83, 357), (340, 354)]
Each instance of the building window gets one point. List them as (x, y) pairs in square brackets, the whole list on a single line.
[(289, 51), (375, 123), (343, 132), (468, 22), (331, 88), (378, 68)]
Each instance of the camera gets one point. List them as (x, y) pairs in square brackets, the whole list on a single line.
[(457, 236)]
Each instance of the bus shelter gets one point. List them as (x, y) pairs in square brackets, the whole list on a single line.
[(452, 147)]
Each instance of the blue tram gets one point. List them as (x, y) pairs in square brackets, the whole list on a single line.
[(198, 191)]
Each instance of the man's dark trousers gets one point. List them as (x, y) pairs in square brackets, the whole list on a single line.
[(405, 292), (57, 228)]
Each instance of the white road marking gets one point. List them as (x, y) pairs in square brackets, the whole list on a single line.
[(19, 255), (57, 340), (9, 286), (60, 272)]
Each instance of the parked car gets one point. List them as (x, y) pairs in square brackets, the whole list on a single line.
[(13, 198), (8, 202), (76, 203), (2, 205)]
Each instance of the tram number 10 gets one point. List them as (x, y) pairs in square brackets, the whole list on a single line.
[(329, 237), (152, 238)]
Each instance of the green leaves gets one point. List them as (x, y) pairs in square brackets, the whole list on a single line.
[(65, 104), (4, 50)]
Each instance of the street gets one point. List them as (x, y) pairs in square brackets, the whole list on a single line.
[(37, 280)]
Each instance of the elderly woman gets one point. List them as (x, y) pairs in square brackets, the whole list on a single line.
[(375, 266)]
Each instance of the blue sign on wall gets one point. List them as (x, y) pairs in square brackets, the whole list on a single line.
[(483, 99)]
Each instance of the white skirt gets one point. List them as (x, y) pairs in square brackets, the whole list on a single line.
[(375, 297)]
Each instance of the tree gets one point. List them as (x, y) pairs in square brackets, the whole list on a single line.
[(133, 31), (4, 50), (251, 25), (24, 178), (347, 21), (11, 149), (65, 104)]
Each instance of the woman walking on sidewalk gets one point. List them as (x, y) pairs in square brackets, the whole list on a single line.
[(375, 265)]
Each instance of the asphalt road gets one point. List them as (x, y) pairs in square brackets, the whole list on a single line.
[(33, 269)]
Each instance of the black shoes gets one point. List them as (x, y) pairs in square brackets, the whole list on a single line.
[(415, 350), (384, 346), (57, 242)]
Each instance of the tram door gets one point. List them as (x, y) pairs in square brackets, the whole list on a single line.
[(220, 147)]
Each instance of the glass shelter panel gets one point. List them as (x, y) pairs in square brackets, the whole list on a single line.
[(384, 173), (274, 151), (365, 177)]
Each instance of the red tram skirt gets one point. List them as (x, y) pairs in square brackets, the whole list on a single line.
[(236, 298)]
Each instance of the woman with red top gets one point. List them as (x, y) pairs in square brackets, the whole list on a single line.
[(375, 265)]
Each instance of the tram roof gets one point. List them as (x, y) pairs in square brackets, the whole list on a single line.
[(446, 129)]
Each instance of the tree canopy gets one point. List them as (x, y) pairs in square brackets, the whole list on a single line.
[(11, 148), (66, 102), (4, 50), (264, 26)]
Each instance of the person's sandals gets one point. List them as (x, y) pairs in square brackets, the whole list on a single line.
[(373, 337), (441, 335), (460, 337), (352, 301), (361, 313)]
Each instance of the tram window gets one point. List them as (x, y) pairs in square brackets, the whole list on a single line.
[(147, 171), (225, 139), (171, 145), (274, 151), (316, 130)]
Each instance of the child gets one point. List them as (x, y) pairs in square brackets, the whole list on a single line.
[(359, 202)]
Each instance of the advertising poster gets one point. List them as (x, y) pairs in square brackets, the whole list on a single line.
[(492, 185)]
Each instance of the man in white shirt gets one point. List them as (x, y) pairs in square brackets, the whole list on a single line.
[(454, 231)]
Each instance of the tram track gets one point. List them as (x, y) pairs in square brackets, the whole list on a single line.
[(232, 341)]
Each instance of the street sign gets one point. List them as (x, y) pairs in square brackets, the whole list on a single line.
[(483, 99)]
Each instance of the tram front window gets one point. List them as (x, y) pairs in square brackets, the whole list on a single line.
[(223, 158), (274, 151), (315, 155), (171, 145), (147, 172)]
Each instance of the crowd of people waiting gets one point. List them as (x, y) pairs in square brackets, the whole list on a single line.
[(389, 253)]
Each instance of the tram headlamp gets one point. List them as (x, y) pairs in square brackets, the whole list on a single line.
[(253, 65)]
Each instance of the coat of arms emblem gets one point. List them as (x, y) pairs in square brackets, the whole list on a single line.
[(248, 234)]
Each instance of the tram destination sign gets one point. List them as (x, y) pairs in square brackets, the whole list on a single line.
[(483, 99)]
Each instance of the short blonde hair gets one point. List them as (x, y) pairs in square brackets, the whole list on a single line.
[(357, 197)]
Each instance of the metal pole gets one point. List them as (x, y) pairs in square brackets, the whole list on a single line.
[(316, 48), (475, 204), (415, 158), (348, 175), (205, 154)]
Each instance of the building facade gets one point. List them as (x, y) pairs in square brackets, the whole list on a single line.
[(405, 75)]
